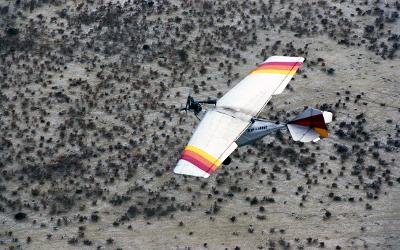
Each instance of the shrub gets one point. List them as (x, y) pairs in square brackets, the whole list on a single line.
[(369, 29), (94, 217), (87, 242), (12, 31), (183, 56), (330, 71), (73, 241), (132, 211), (20, 216), (327, 214)]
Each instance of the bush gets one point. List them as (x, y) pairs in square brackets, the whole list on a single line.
[(261, 217), (371, 169), (35, 192), (369, 29), (132, 211), (94, 217), (254, 201), (12, 31), (158, 173), (149, 212), (183, 56), (87, 242), (20, 216), (73, 241), (342, 149), (327, 214)]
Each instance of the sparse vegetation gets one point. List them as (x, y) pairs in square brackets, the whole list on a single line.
[(90, 128)]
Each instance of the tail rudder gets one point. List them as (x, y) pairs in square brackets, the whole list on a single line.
[(310, 125)]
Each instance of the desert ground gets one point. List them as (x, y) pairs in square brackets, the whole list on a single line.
[(90, 127)]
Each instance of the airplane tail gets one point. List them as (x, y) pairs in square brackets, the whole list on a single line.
[(310, 125)]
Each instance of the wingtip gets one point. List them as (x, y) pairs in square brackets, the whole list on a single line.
[(186, 168), (285, 58)]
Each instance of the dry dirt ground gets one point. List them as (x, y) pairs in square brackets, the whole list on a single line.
[(90, 127)]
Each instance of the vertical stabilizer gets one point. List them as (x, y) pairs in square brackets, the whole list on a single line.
[(310, 125)]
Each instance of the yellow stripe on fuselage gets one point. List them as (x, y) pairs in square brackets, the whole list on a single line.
[(274, 71), (204, 154)]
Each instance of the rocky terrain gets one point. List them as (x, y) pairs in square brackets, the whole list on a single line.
[(90, 128)]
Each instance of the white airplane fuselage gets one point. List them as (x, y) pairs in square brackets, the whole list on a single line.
[(258, 130)]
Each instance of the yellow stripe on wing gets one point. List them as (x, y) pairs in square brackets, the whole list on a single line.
[(204, 154), (274, 71)]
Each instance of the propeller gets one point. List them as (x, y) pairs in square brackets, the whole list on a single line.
[(187, 105), (209, 102), (195, 106)]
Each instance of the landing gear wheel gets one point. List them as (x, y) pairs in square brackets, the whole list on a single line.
[(227, 161)]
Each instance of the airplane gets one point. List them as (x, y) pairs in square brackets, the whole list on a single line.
[(234, 121)]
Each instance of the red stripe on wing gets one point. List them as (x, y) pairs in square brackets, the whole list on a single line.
[(206, 167)]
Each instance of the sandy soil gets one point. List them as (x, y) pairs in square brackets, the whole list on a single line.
[(103, 91)]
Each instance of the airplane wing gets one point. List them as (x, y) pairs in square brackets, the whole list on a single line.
[(270, 78), (212, 142), (214, 139)]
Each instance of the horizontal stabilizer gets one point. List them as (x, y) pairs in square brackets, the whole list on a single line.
[(302, 133)]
